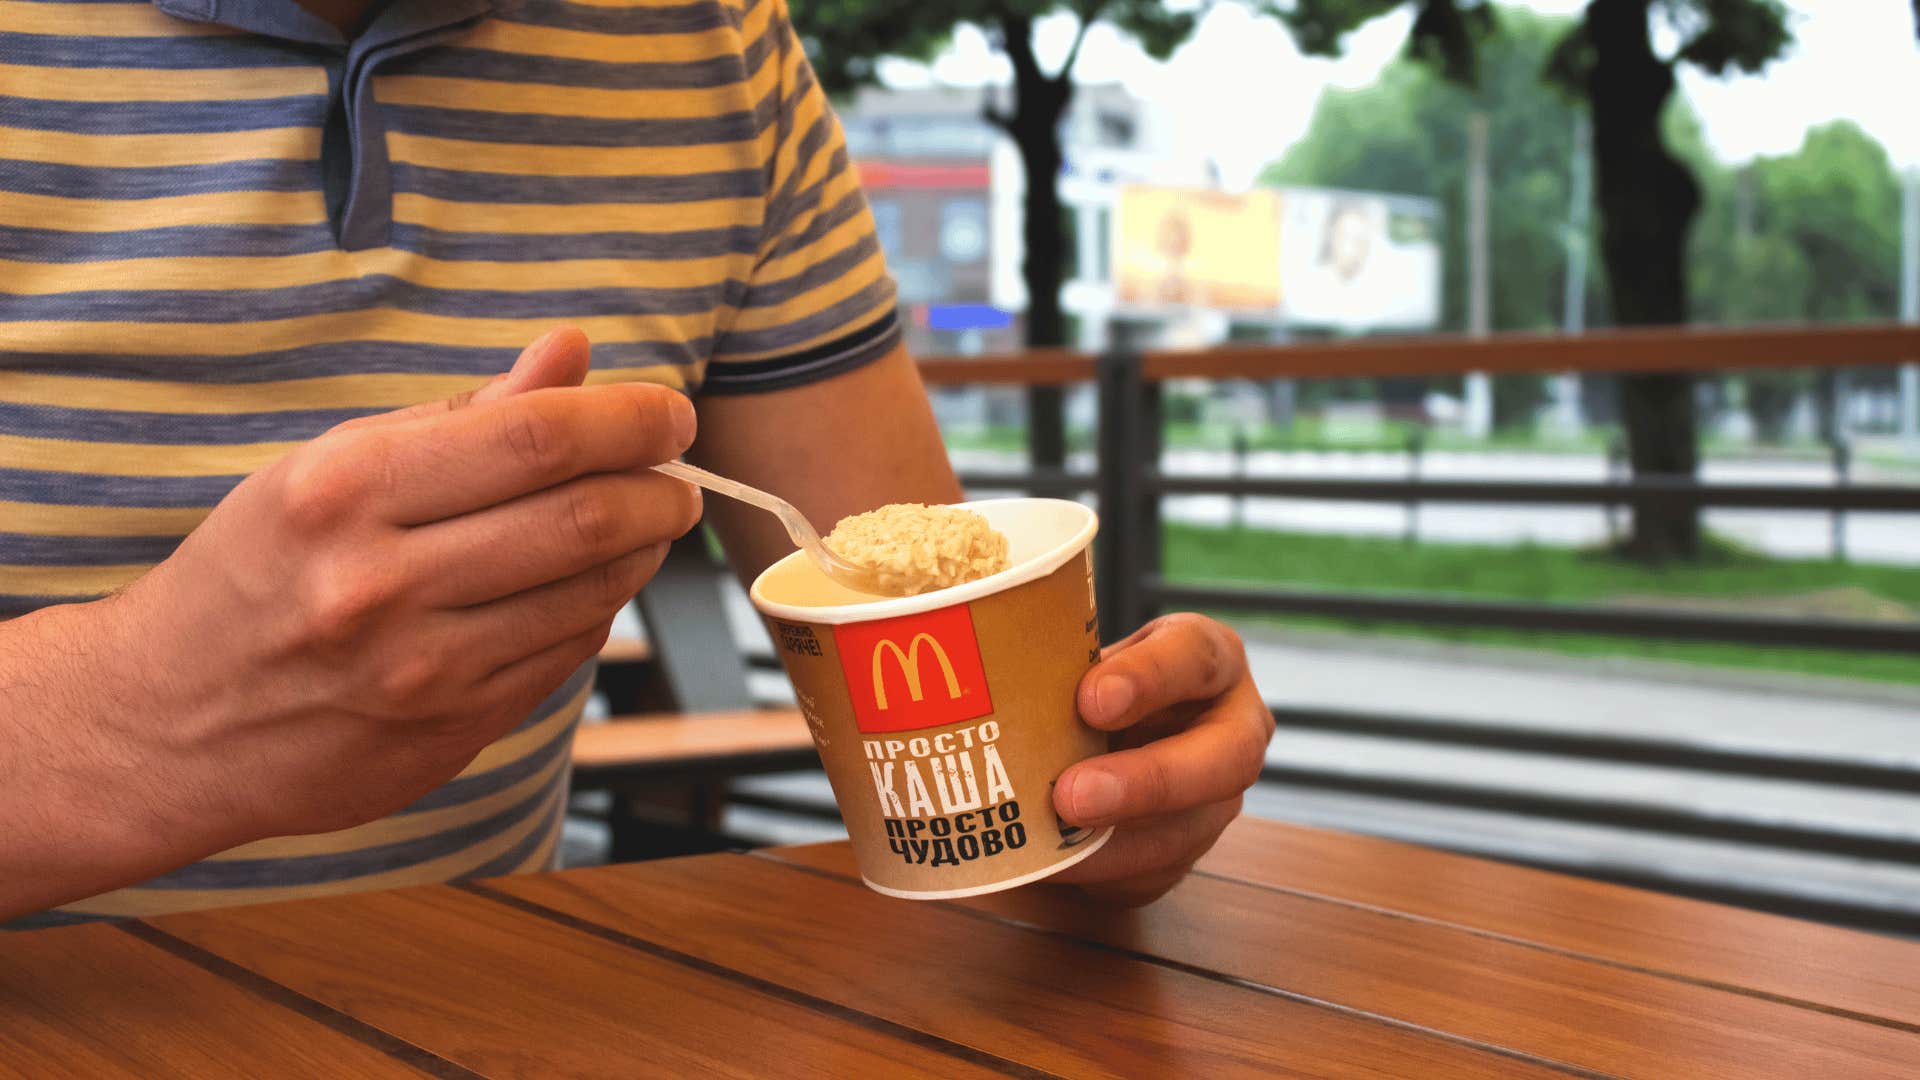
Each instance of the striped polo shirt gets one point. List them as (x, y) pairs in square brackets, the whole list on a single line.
[(225, 227)]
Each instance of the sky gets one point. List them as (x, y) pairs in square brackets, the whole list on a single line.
[(1855, 59)]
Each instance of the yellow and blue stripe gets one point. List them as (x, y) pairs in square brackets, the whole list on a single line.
[(224, 228)]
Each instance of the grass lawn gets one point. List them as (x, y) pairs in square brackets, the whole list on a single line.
[(1728, 580), (998, 437)]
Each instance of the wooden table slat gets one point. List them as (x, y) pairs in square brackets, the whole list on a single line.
[(1609, 1019), (502, 993), (1049, 1004), (92, 1001), (1845, 970), (1291, 952)]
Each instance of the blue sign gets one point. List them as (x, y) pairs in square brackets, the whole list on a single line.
[(967, 317)]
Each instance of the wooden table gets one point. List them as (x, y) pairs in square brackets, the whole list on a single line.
[(1290, 952)]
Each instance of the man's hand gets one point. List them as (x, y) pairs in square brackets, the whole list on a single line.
[(1193, 732), (353, 624), (344, 632), (1195, 729)]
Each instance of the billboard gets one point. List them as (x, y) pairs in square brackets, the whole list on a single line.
[(1356, 261), (1309, 257), (1190, 247)]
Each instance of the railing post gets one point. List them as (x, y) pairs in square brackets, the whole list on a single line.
[(1118, 549), (1046, 428), (1616, 473), (1150, 426), (1842, 468), (1416, 444), (1242, 467)]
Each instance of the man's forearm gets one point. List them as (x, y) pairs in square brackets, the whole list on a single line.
[(839, 447), (84, 805)]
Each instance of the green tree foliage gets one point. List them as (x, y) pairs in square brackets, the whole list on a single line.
[(1811, 236), (1445, 33), (1646, 195), (1407, 133), (846, 39)]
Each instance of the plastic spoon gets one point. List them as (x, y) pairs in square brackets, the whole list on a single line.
[(799, 529)]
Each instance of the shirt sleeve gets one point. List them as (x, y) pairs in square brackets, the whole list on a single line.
[(819, 301)]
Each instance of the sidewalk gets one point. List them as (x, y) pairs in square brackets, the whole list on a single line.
[(1377, 785), (1699, 705)]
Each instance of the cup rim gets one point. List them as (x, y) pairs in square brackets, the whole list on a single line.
[(891, 607)]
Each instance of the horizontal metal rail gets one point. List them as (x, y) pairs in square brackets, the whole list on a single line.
[(1869, 498), (1034, 367), (1617, 813), (1041, 482), (1864, 914), (1623, 749), (1865, 497), (1660, 348), (811, 809), (1619, 350), (1559, 618)]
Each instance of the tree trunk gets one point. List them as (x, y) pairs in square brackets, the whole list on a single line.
[(1770, 398), (1648, 201), (1039, 101), (1042, 269)]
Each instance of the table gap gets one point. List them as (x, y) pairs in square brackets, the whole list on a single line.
[(1365, 1015), (924, 1039), (286, 997), (1572, 954)]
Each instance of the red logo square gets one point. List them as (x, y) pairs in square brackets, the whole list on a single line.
[(915, 671)]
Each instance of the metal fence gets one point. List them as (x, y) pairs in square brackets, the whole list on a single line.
[(1130, 485)]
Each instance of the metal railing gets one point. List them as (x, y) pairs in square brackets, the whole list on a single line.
[(1130, 486), (1130, 483)]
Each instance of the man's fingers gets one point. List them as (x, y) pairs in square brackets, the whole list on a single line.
[(526, 623), (550, 534), (558, 357), (1172, 660), (514, 690), (1216, 759), (1150, 857), (437, 467)]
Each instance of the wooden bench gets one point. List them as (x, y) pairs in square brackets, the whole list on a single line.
[(625, 650), (681, 746), (666, 774), (632, 678), (684, 721)]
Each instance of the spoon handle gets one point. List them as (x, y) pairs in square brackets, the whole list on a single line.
[(788, 514), (799, 529)]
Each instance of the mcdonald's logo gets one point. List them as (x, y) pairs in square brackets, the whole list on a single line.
[(910, 667), (934, 678)]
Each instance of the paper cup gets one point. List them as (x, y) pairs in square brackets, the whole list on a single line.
[(944, 719)]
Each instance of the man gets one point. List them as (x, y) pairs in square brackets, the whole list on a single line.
[(277, 629)]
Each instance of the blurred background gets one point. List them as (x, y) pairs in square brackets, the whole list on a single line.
[(1338, 298)]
